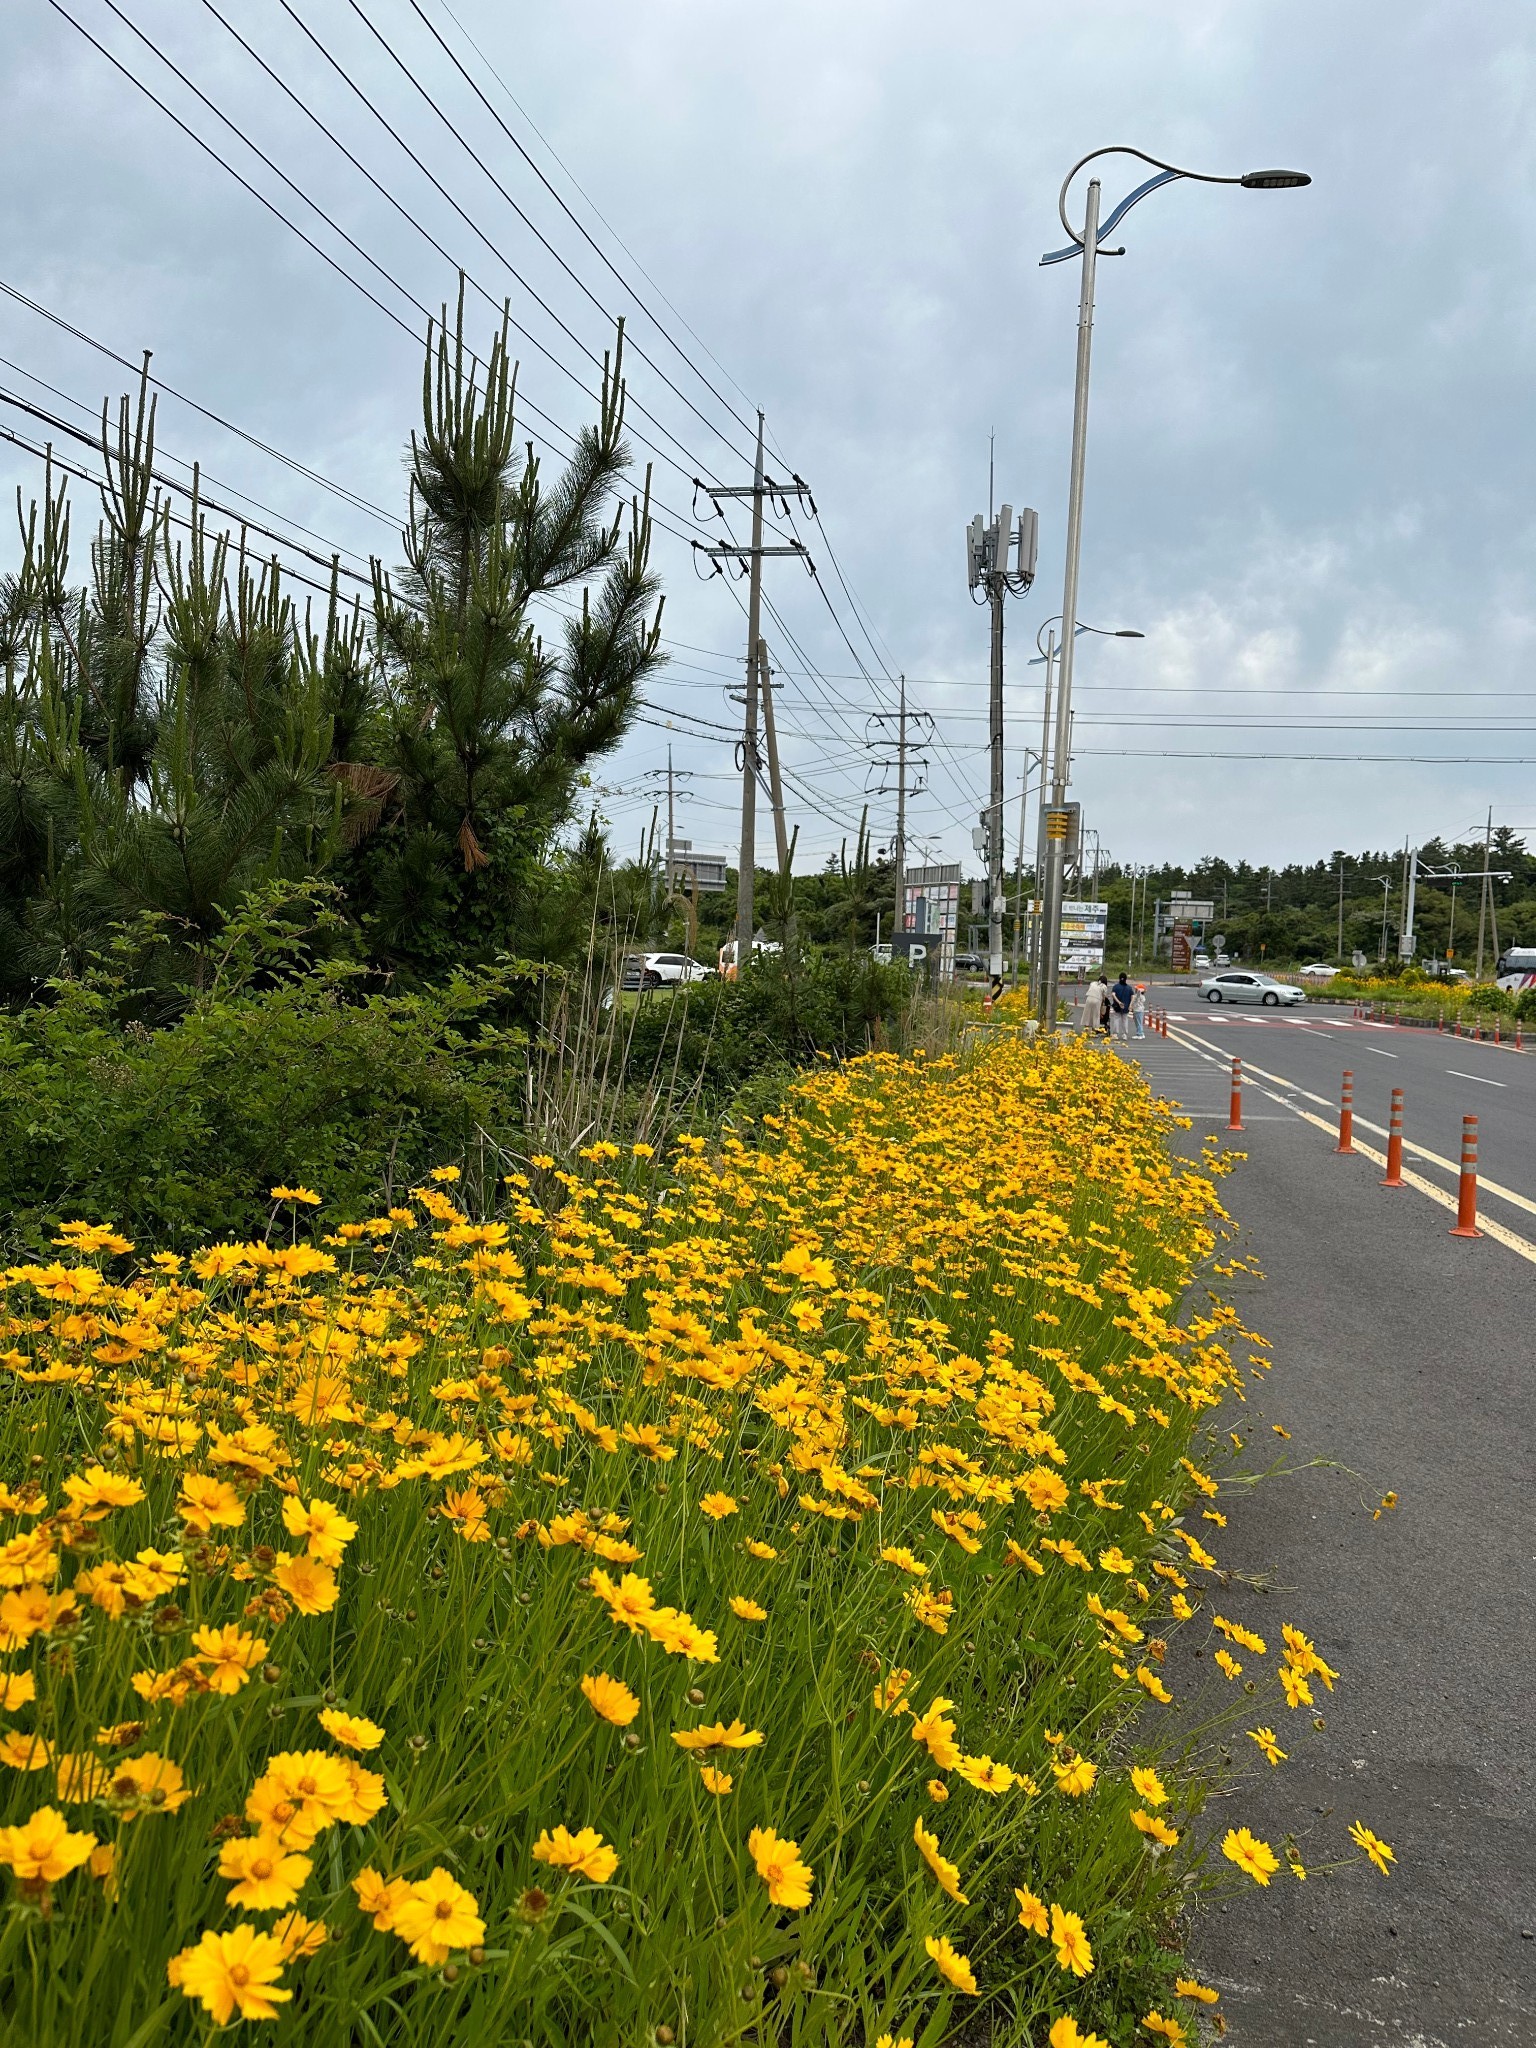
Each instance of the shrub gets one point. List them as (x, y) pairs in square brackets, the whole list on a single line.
[(176, 1135)]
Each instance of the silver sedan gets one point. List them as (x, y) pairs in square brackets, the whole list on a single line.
[(1238, 985)]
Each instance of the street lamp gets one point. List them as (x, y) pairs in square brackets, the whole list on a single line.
[(1086, 245), (1047, 654)]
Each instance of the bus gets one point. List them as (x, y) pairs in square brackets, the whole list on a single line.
[(1516, 967)]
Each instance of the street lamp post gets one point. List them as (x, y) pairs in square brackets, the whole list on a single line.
[(1087, 246), (1048, 654)]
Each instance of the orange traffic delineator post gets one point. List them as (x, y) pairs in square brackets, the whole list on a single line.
[(1466, 1195), (1235, 1117), (1394, 1177), (1347, 1114)]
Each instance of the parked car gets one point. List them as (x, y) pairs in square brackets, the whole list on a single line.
[(970, 963), (1238, 985), (660, 970), (1319, 971)]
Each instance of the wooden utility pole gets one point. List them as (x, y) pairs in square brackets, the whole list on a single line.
[(900, 850), (1486, 897)]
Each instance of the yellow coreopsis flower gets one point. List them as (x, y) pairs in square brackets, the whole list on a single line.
[(610, 1699), (1250, 1854), (310, 1585), (947, 1873), (266, 1873), (229, 1654), (789, 1881), (1148, 1784), (45, 1848), (953, 1967), (1032, 1911), (326, 1530), (584, 1854), (351, 1729), (1070, 1941), (436, 1916), (747, 1610), (234, 1973), (717, 1735), (1379, 1852)]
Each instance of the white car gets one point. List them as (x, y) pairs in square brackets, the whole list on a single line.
[(1202, 960), (1237, 985), (660, 970), (1319, 971)]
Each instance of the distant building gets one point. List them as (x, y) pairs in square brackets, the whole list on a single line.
[(702, 874)]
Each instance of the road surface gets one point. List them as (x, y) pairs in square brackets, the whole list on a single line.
[(1408, 1357)]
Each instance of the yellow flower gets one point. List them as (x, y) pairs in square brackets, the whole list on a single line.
[(1032, 1912), (1233, 1669), (1190, 1987), (1378, 1851), (436, 1916), (209, 1503), (717, 1506), (232, 1973), (350, 1729), (148, 1784), (326, 1529), (81, 1778), (1151, 1826), (610, 1699), (891, 2041), (100, 1491), (946, 1872), (1148, 1784), (1070, 1942), (378, 1897), (230, 1654), (1074, 1778), (765, 1551), (1115, 1560), (1149, 1682), (907, 1562), (1066, 2033), (305, 1195), (986, 1775), (716, 1735), (1265, 1738), (267, 1874), (718, 1782), (953, 1967), (938, 1791), (1294, 1685), (1170, 2030), (45, 1848), (938, 1732), (300, 1937), (585, 1853), (310, 1585), (17, 1691), (747, 1610), (789, 1881), (299, 1795), (25, 1752), (629, 1602), (1250, 1854)]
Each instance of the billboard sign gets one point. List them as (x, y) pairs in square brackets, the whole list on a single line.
[(1083, 926), (1182, 952)]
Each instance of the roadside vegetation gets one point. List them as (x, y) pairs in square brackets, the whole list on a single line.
[(690, 1598)]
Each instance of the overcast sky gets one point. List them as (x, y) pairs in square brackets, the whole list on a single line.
[(1311, 436)]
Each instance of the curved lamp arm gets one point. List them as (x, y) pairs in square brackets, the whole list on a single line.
[(1164, 174)]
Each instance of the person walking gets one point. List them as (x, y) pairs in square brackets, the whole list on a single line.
[(1090, 1016), (1121, 997), (1139, 1011)]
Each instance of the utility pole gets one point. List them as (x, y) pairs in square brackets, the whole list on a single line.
[(671, 822), (760, 487), (775, 786), (988, 550), (1486, 897), (1340, 954), (900, 849), (1038, 920)]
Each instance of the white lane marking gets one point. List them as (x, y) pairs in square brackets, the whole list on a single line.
[(1483, 1078), (1382, 1054), (1311, 1031), (1489, 1187)]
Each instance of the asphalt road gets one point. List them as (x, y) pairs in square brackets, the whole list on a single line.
[(1408, 1357), (1442, 1078)]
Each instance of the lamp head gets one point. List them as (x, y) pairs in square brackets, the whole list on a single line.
[(1273, 181), (1128, 633)]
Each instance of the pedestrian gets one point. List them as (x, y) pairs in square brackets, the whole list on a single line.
[(1139, 1011), (1121, 997), (1091, 1015)]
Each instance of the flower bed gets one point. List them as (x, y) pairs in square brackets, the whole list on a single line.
[(710, 1601)]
